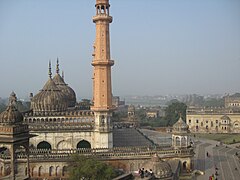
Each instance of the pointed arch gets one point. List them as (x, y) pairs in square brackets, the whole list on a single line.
[(40, 171), (184, 141), (44, 145), (83, 144), (58, 171), (184, 165), (178, 141), (64, 145), (51, 169), (132, 167), (64, 171)]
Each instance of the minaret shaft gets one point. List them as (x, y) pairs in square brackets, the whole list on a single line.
[(102, 42), (102, 87)]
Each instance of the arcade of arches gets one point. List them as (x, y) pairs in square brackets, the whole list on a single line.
[(62, 144)]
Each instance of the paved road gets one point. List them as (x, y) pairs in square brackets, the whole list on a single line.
[(222, 159)]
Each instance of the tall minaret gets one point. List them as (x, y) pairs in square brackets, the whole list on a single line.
[(102, 88)]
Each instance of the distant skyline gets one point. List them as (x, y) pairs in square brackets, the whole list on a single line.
[(159, 46)]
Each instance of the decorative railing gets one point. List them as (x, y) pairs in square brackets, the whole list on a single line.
[(57, 127), (69, 113), (101, 153)]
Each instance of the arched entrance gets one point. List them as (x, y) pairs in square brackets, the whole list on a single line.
[(58, 171), (40, 171), (44, 145), (184, 142), (177, 141), (51, 171), (184, 166), (83, 144), (64, 170)]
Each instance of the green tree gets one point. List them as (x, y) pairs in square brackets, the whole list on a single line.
[(173, 112), (213, 102), (141, 114), (89, 168), (119, 115)]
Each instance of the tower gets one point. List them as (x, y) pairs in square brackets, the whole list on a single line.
[(14, 143), (102, 88)]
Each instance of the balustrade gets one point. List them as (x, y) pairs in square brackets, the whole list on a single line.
[(105, 153), (102, 153)]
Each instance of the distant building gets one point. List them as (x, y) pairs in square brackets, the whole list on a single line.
[(216, 119), (152, 113), (116, 102), (232, 101)]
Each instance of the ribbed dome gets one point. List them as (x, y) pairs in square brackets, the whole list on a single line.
[(68, 91), (180, 126), (50, 98), (161, 169), (11, 115)]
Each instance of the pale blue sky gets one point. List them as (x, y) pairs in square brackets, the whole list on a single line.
[(159, 46)]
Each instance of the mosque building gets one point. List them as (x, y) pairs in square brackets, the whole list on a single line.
[(39, 144)]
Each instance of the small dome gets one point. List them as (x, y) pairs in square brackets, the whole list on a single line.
[(180, 126), (68, 91), (160, 168), (50, 98), (11, 115)]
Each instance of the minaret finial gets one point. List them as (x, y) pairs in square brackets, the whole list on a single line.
[(63, 75), (12, 99), (57, 67), (50, 70)]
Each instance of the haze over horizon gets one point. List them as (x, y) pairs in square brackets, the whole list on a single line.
[(159, 46)]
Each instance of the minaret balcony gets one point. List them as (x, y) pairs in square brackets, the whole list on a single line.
[(102, 17), (102, 109), (102, 63)]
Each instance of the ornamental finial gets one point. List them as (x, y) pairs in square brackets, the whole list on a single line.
[(50, 69), (57, 66)]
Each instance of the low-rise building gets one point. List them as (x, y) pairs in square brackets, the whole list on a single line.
[(152, 113), (216, 119)]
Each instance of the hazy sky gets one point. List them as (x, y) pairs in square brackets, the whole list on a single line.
[(159, 46)]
